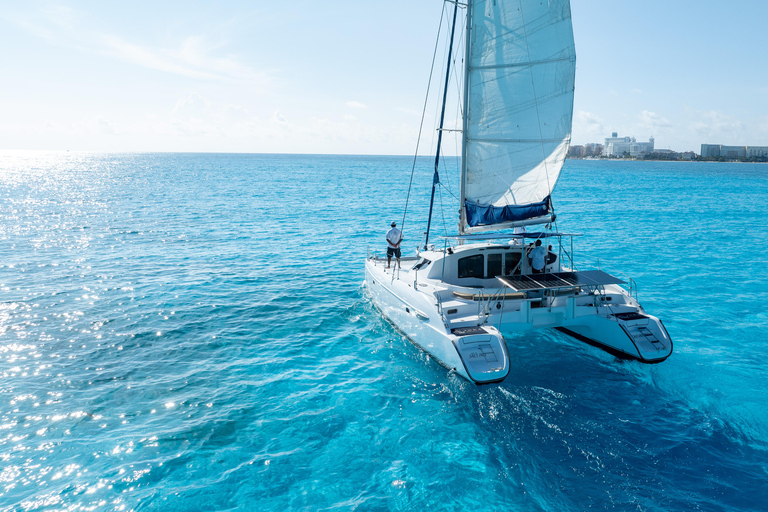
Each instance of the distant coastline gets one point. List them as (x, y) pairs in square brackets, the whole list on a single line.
[(629, 148), (664, 158)]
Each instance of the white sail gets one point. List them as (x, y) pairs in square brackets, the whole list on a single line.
[(521, 64)]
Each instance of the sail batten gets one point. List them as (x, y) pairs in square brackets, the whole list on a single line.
[(521, 64), (532, 141), (520, 71)]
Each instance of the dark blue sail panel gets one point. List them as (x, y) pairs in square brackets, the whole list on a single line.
[(487, 215)]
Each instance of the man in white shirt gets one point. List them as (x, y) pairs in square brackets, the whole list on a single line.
[(538, 256), (394, 237)]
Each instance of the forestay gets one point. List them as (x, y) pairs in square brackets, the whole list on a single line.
[(520, 74)]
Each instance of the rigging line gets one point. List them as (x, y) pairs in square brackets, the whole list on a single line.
[(436, 176), (446, 186), (442, 212), (449, 191), (450, 172), (456, 74), (459, 100), (423, 115), (459, 79), (445, 68), (445, 65), (536, 102)]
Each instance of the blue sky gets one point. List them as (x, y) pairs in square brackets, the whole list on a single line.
[(350, 76)]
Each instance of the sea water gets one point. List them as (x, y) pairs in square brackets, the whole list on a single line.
[(190, 332)]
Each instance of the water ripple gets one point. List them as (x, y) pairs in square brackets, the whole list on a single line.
[(188, 332)]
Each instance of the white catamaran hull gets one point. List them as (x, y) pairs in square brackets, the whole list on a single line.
[(461, 326), (479, 355)]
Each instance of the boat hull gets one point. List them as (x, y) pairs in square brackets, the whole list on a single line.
[(477, 353), (460, 324), (641, 337)]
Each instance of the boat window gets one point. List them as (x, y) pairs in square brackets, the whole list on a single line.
[(420, 265), (494, 265), (471, 266), (511, 259)]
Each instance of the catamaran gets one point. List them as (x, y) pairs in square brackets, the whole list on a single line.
[(454, 301)]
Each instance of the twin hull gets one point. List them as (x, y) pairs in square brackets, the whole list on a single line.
[(474, 348)]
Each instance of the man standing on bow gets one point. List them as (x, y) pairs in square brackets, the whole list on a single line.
[(394, 237)]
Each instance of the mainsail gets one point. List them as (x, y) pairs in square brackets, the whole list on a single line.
[(519, 82)]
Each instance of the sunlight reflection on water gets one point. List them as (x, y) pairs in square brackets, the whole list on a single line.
[(185, 332)]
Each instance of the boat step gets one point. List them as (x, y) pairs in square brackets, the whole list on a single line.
[(457, 304), (648, 334), (465, 321)]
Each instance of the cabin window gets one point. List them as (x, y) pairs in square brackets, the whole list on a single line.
[(494, 265), (511, 260), (471, 266)]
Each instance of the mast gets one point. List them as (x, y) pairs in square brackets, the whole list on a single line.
[(436, 177), (464, 131)]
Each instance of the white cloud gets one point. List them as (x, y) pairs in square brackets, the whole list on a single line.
[(408, 111), (194, 127), (192, 103), (233, 110), (106, 127), (653, 121), (195, 57), (278, 118), (716, 127), (588, 127), (762, 129), (356, 104), (588, 118)]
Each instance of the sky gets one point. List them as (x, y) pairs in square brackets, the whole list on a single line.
[(349, 77)]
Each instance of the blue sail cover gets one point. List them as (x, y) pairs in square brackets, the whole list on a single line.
[(487, 215)]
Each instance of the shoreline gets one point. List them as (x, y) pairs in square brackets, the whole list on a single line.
[(671, 161)]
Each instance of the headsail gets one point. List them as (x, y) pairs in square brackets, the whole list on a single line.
[(521, 64)]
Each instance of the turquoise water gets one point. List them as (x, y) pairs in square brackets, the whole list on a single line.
[(189, 332)]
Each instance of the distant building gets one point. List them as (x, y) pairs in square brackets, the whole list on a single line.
[(757, 151), (710, 150), (661, 154), (733, 151), (718, 150), (593, 149), (590, 149), (619, 146)]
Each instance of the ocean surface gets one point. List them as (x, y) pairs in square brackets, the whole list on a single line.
[(190, 332)]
